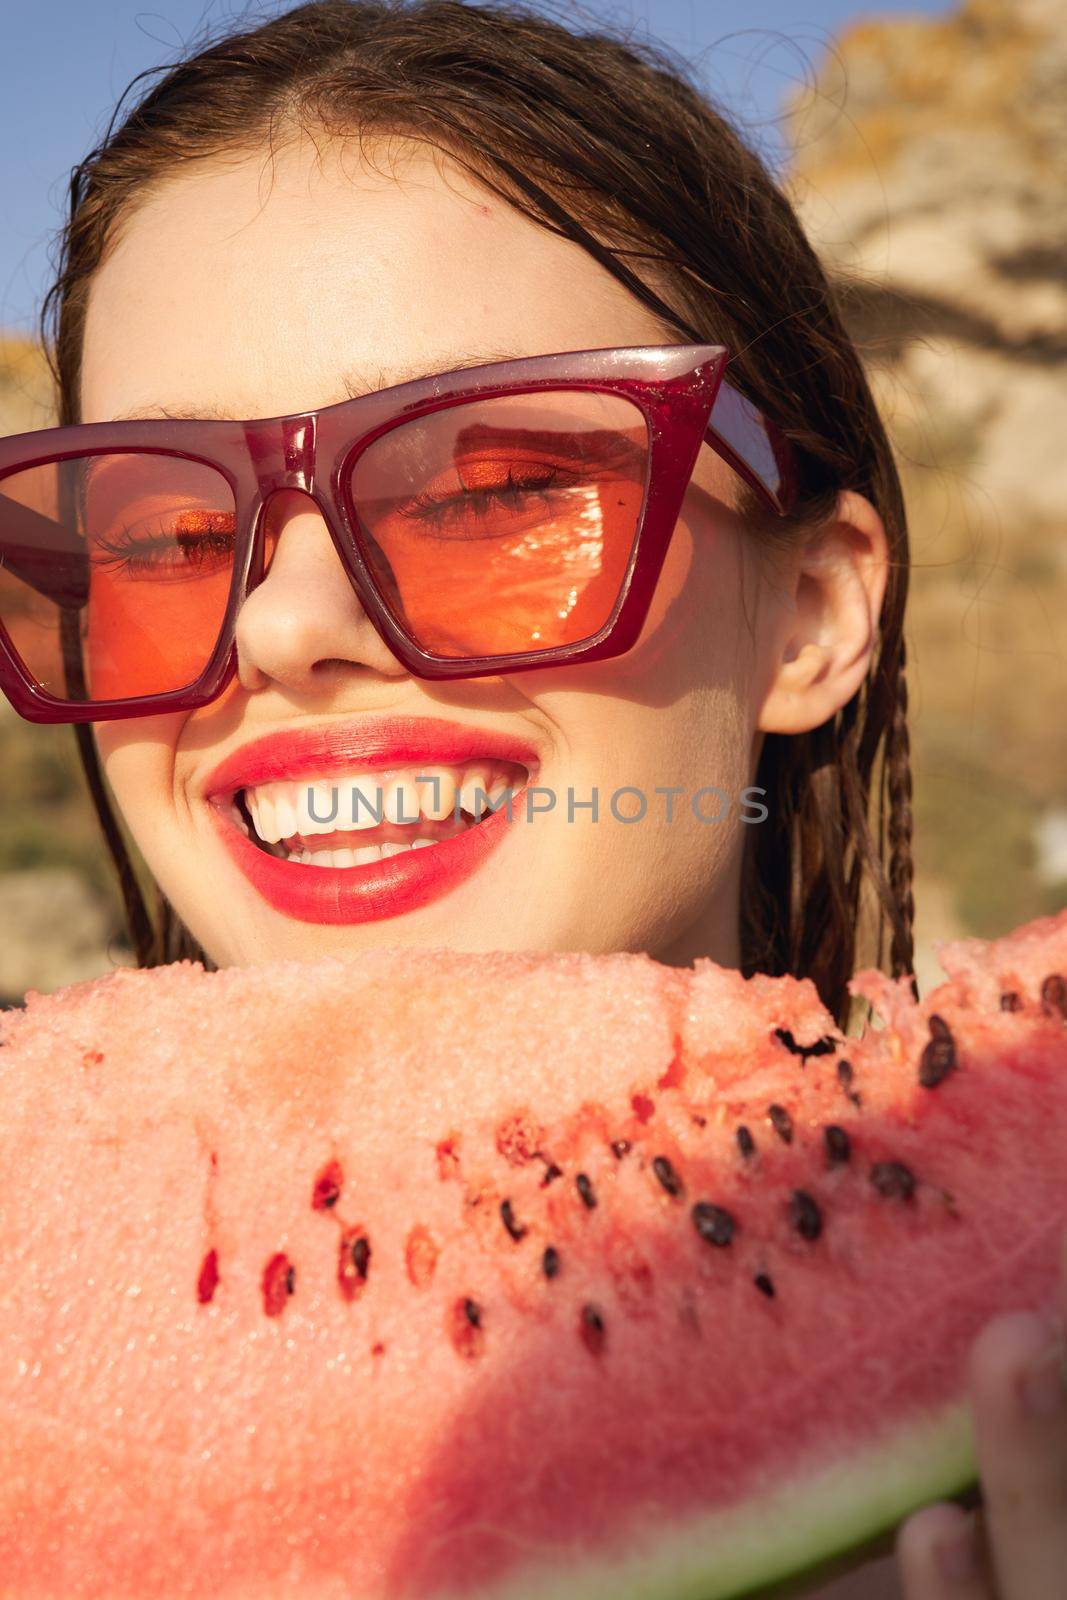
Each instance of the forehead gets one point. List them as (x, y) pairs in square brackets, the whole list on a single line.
[(274, 284)]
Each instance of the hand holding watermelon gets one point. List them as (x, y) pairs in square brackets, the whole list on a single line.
[(1019, 1402), (1015, 1547)]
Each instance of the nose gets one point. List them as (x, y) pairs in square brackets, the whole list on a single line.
[(303, 626)]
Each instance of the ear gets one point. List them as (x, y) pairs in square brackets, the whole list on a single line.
[(826, 619)]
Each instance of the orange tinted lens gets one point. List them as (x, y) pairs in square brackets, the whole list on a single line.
[(115, 571), (505, 525)]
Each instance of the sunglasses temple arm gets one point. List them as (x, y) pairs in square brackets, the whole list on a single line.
[(754, 447), (40, 551)]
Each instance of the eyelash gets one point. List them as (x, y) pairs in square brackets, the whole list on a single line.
[(434, 509), (138, 555)]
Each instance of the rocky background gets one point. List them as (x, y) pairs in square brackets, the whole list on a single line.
[(930, 169)]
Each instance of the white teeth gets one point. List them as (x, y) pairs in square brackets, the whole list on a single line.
[(261, 807), (437, 793), (317, 808), (357, 801), (474, 795), (402, 801), (354, 858), (284, 816), (363, 802)]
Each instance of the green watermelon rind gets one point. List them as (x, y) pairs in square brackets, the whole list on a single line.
[(877, 1543), (866, 1499)]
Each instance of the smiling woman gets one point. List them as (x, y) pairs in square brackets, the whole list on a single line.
[(469, 523), (469, 528), (612, 493)]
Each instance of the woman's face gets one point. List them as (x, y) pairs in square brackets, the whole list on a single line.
[(239, 292)]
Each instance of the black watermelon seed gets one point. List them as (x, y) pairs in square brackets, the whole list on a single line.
[(845, 1076), (620, 1148), (592, 1329), (714, 1224), (807, 1218), (516, 1229), (764, 1285), (550, 1261), (939, 1056), (821, 1047), (667, 1176), (939, 1028), (473, 1312), (782, 1123), (585, 1189), (893, 1180), (838, 1145), (745, 1142), (290, 1280), (551, 1171), (1054, 994), (353, 1262), (1011, 1001)]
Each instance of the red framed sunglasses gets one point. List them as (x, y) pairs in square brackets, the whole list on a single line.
[(494, 519)]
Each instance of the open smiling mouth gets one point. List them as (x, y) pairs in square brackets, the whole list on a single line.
[(363, 846), (358, 819), (364, 818)]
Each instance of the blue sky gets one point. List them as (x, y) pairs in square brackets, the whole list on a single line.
[(66, 62)]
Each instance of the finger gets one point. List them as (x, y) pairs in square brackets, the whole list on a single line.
[(939, 1556), (1019, 1403)]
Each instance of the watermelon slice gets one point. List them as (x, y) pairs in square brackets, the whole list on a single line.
[(429, 1275)]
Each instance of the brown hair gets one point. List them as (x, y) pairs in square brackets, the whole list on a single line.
[(611, 145)]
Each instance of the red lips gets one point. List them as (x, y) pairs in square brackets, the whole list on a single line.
[(362, 744), (379, 889)]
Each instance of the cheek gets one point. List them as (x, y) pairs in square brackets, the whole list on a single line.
[(678, 708), (138, 762), (699, 603)]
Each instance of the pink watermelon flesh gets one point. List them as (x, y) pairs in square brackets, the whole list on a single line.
[(432, 1275)]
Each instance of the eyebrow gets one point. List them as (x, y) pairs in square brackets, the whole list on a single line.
[(353, 383)]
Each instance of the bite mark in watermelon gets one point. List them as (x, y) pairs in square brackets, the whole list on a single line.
[(430, 1275)]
